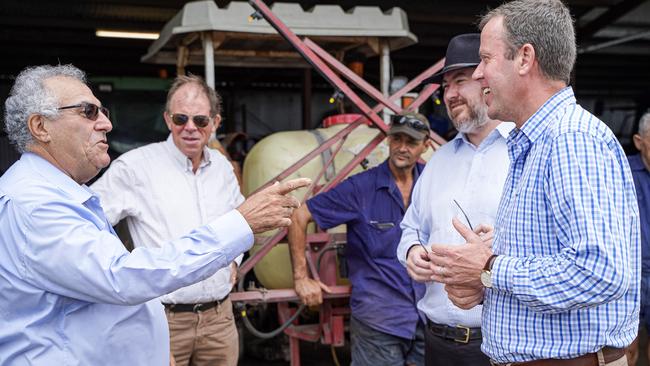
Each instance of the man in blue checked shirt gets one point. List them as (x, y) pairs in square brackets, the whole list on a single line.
[(385, 327), (561, 280), (70, 293)]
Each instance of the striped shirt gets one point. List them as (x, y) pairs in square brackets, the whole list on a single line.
[(566, 281)]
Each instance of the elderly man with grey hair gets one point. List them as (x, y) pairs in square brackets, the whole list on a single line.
[(561, 279), (181, 181), (640, 165), (70, 293)]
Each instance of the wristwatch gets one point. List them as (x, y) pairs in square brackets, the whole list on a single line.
[(486, 274)]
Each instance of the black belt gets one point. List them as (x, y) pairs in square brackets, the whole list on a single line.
[(458, 333), (194, 308)]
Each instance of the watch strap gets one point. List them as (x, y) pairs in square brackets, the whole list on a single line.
[(490, 262)]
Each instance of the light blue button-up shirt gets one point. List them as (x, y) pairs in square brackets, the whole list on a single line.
[(70, 294), (471, 175)]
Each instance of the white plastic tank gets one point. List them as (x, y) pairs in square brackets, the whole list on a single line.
[(276, 152)]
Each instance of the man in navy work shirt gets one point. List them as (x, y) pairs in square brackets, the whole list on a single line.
[(385, 327), (640, 166)]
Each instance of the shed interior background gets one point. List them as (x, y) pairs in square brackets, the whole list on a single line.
[(612, 81)]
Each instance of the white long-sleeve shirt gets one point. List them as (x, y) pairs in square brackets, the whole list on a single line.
[(155, 189), (473, 176)]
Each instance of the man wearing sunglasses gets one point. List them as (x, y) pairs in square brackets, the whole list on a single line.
[(385, 327), (70, 293), (463, 179), (167, 188)]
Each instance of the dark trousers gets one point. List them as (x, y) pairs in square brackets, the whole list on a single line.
[(371, 347), (446, 352)]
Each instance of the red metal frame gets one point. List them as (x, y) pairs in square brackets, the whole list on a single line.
[(330, 330)]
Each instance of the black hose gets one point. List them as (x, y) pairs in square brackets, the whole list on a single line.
[(323, 251), (266, 335), (241, 307)]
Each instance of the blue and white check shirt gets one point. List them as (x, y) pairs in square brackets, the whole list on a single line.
[(566, 281)]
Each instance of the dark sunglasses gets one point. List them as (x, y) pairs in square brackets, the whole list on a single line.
[(414, 123), (180, 119), (90, 111)]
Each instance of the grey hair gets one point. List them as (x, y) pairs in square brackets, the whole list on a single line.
[(30, 96), (213, 97), (545, 24), (644, 124)]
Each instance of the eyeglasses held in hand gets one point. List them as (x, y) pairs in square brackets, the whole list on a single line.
[(420, 241), (464, 214), (409, 121), (90, 111), (199, 120)]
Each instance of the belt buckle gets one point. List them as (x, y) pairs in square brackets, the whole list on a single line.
[(197, 308), (467, 331)]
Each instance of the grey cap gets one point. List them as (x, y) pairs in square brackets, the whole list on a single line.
[(408, 124)]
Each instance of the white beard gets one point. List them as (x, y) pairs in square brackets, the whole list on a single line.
[(478, 118)]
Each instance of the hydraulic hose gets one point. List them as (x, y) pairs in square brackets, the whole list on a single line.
[(241, 307)]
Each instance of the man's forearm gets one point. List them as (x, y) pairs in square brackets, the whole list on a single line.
[(296, 236), (297, 250)]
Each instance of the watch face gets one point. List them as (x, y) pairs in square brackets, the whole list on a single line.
[(486, 279)]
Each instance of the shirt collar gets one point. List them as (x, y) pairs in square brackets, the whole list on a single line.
[(636, 164), (535, 126), (183, 160), (77, 192), (459, 139), (385, 177), (502, 130)]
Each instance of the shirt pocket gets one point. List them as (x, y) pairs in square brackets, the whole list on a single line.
[(383, 240)]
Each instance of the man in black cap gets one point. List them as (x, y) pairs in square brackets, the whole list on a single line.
[(474, 166), (385, 327)]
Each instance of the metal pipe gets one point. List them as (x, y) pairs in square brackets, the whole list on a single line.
[(384, 71), (208, 54), (613, 42)]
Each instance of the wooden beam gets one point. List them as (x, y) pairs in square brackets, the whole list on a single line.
[(610, 16)]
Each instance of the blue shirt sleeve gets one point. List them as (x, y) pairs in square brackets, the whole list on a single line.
[(336, 206), (585, 195), (68, 250)]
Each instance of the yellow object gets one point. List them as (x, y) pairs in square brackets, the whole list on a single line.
[(274, 154)]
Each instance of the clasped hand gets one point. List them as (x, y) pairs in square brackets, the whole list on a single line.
[(458, 267)]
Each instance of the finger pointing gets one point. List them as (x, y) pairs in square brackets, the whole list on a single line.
[(290, 185)]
